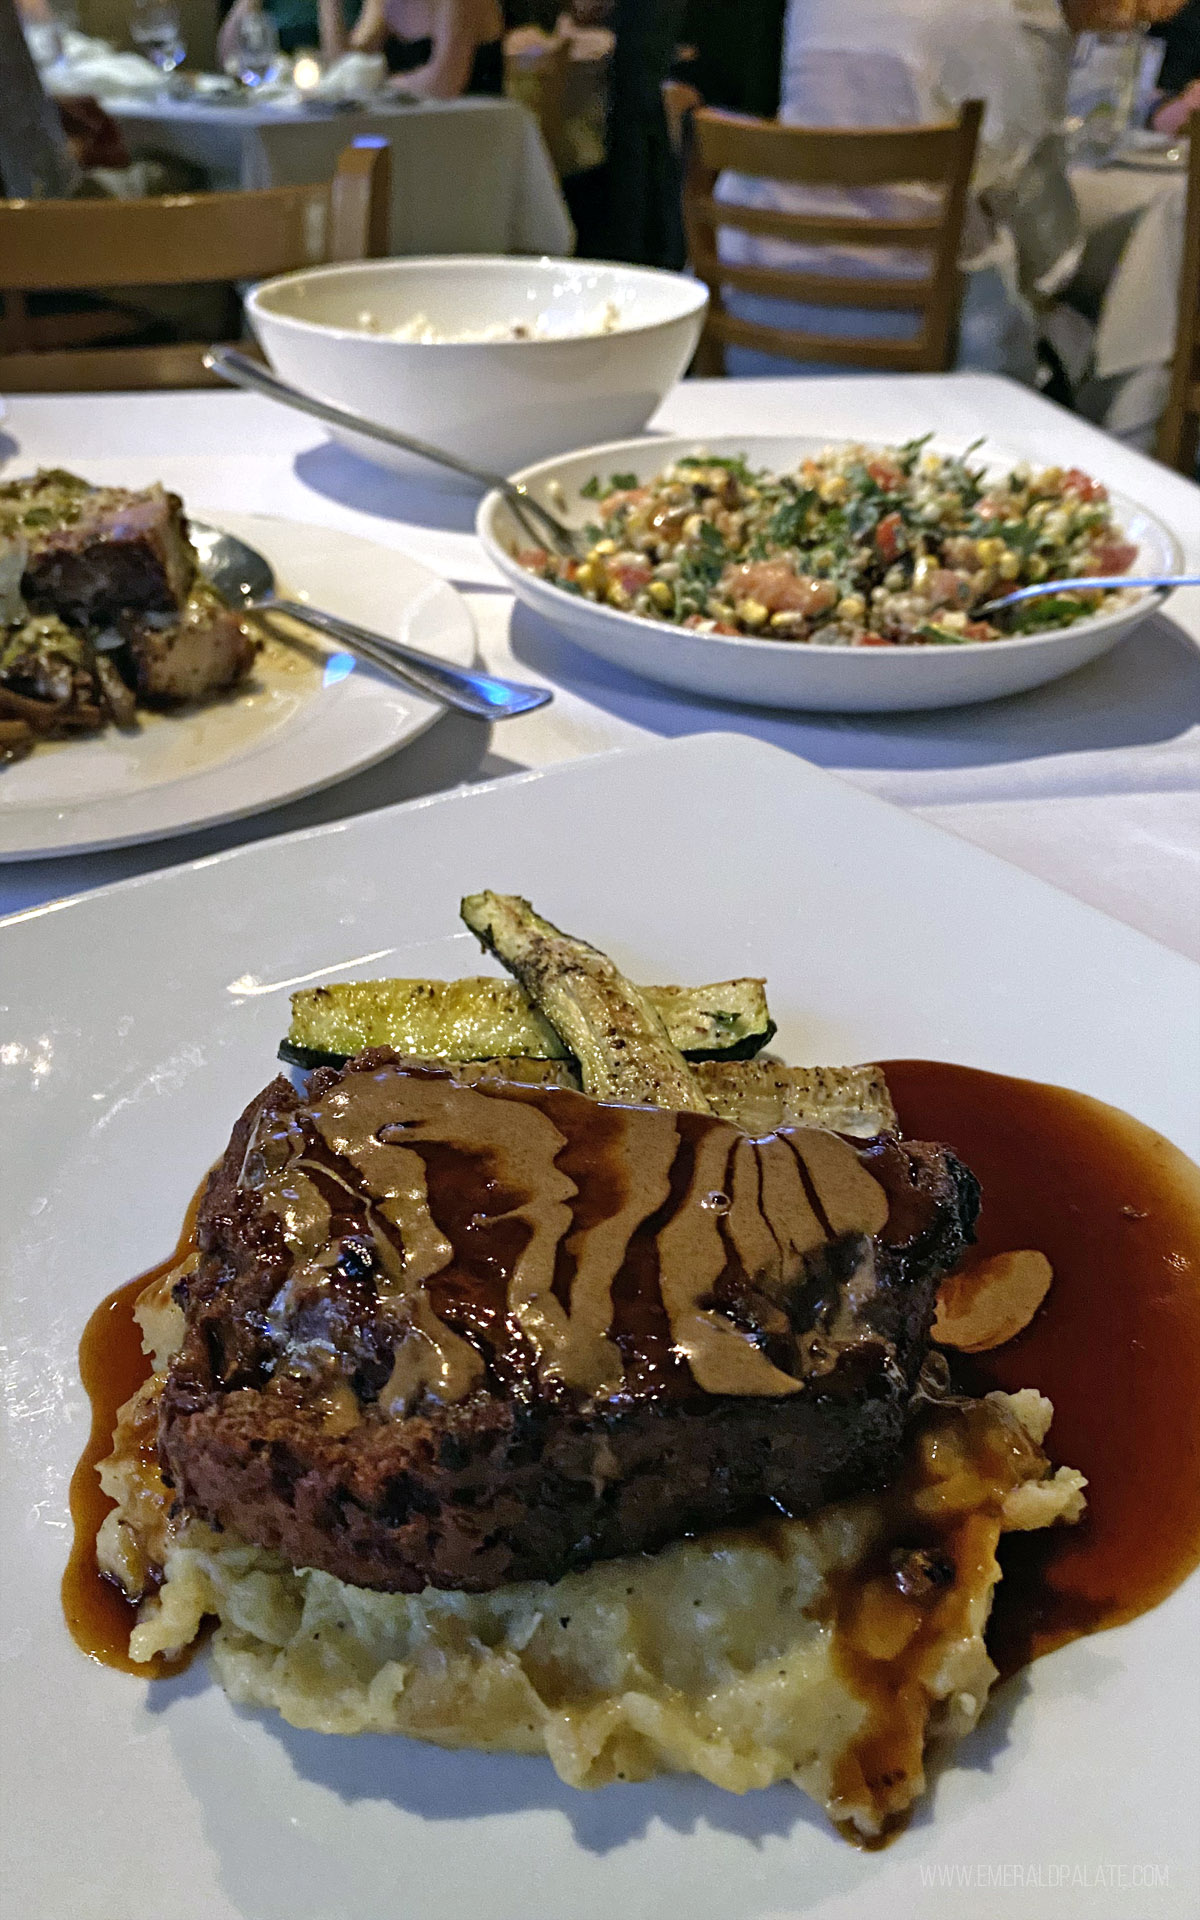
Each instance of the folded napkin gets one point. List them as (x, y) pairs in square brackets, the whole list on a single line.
[(354, 77), (214, 86), (95, 67)]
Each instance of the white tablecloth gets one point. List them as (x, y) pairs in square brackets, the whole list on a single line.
[(1094, 783), (468, 176), (1128, 279)]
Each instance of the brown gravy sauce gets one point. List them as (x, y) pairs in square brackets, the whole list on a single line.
[(1116, 1346), (112, 1367)]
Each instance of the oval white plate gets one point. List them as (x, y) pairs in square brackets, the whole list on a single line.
[(309, 716), (774, 673)]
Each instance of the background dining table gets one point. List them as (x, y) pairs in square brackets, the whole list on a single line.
[(505, 199), (1132, 211), (1092, 782)]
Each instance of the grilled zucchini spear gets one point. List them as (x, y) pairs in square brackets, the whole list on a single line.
[(485, 1019), (615, 1033), (757, 1095)]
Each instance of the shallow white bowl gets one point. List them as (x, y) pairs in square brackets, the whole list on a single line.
[(776, 673), (499, 404)]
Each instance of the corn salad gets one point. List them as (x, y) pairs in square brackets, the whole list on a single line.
[(859, 547)]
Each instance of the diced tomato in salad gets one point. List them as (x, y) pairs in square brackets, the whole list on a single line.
[(887, 537), (1082, 486)]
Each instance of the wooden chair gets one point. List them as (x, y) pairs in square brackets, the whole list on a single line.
[(938, 156), (536, 78), (1179, 428), (68, 246)]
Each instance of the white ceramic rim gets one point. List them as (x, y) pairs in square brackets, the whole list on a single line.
[(673, 445), (490, 263), (116, 819)]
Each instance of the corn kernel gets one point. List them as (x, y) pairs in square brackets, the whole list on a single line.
[(851, 606), (617, 595), (834, 489), (752, 613), (604, 546), (1009, 564), (661, 595), (588, 576)]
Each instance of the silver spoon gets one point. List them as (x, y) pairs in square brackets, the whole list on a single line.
[(243, 578), (241, 371), (1092, 583)]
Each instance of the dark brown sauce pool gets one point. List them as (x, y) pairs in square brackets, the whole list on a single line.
[(112, 1367), (1116, 1346)]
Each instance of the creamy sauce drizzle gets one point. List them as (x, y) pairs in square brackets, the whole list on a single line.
[(562, 1186)]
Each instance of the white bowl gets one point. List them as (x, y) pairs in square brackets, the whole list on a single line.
[(776, 673), (499, 404)]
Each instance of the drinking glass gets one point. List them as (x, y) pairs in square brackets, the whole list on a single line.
[(254, 56), (1102, 93), (156, 28)]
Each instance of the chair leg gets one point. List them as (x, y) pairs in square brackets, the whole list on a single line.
[(708, 362)]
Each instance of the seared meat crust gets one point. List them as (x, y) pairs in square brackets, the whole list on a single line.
[(276, 1422), (120, 550)]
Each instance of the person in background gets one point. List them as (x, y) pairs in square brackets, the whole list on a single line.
[(437, 49), (557, 60), (1179, 76), (880, 63), (644, 217), (297, 22), (36, 162), (731, 55)]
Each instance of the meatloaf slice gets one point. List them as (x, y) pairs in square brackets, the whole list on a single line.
[(459, 1336)]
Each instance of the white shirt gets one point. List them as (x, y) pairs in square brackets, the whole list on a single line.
[(877, 63)]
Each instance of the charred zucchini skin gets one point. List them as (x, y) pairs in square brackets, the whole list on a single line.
[(744, 1049), (309, 1058), (725, 1021), (618, 1036)]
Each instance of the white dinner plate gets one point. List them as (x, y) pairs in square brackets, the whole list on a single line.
[(775, 673), (307, 717), (141, 1020)]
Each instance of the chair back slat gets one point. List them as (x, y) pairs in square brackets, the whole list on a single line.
[(941, 157), (827, 289), (826, 156), (895, 356), (107, 369), (1178, 443), (63, 245), (57, 246), (815, 229)]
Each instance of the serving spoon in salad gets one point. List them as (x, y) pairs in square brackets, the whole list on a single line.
[(241, 371), (1090, 583)]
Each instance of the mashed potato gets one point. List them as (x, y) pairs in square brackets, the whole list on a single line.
[(829, 1651), (541, 326)]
